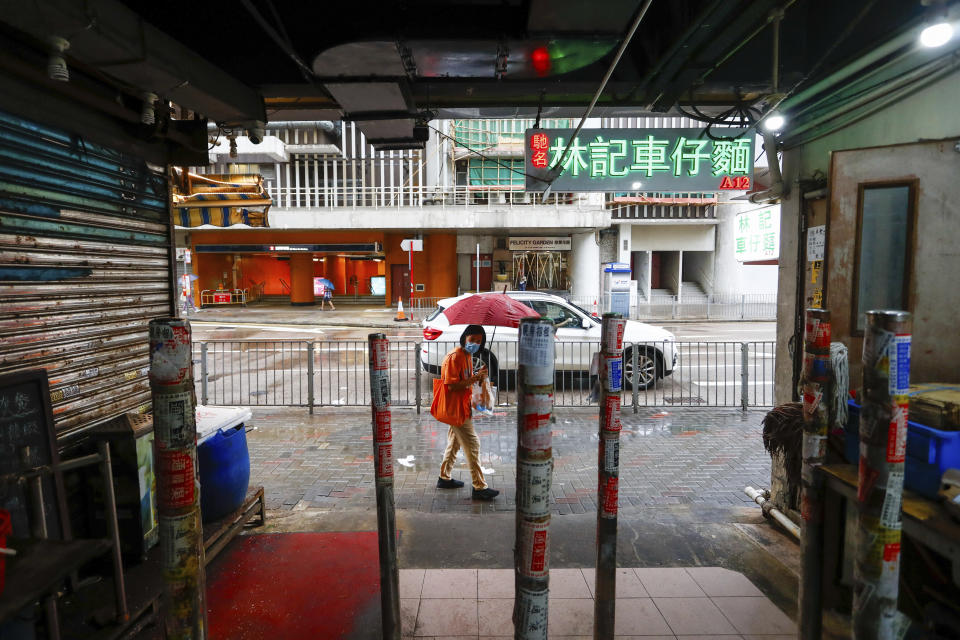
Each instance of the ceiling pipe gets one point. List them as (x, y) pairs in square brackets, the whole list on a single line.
[(326, 125), (557, 169), (770, 137)]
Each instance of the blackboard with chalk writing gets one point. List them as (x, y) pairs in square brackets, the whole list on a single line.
[(28, 450)]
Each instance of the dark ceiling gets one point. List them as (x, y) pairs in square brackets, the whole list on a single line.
[(389, 64), (671, 56)]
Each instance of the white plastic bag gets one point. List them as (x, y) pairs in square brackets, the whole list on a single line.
[(482, 398)]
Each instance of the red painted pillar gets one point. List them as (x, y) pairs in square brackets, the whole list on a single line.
[(301, 279)]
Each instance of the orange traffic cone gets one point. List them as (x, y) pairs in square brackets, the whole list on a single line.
[(595, 309), (400, 317)]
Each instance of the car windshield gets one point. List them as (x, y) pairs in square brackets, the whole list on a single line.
[(560, 315), (435, 313), (582, 310)]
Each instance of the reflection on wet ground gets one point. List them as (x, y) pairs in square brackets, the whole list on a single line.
[(675, 457)]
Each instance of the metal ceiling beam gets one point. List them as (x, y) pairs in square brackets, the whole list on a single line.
[(728, 28), (107, 35)]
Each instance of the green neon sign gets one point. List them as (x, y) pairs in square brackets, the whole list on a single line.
[(640, 160)]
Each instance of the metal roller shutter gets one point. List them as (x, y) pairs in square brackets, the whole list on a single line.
[(84, 265)]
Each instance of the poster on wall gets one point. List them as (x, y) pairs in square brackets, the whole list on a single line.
[(757, 235)]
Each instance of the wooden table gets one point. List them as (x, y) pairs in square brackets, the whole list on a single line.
[(39, 566), (926, 522)]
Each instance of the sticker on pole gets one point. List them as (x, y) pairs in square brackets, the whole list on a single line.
[(537, 424), (536, 352), (609, 454), (533, 487), (379, 355), (899, 355), (613, 331), (382, 433), (609, 494), (534, 549), (174, 420), (176, 486), (897, 435), (530, 614), (180, 537), (380, 390), (817, 334), (610, 414), (612, 372), (384, 460), (170, 357)]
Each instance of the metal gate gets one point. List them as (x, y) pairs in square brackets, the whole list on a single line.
[(85, 248), (542, 270)]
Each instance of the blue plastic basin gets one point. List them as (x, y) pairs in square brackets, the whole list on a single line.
[(930, 452), (224, 463)]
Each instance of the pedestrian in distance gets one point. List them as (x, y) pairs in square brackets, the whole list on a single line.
[(452, 405), (326, 295)]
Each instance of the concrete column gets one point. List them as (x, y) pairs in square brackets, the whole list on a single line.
[(583, 265), (301, 279)]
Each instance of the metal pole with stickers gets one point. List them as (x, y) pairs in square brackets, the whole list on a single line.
[(816, 391), (883, 448), (608, 476), (178, 484), (379, 352), (535, 388)]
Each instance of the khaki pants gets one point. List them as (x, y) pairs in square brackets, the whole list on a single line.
[(463, 437)]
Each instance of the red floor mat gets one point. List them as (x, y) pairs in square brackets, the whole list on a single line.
[(292, 586)]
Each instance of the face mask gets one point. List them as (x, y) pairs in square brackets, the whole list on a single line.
[(472, 347)]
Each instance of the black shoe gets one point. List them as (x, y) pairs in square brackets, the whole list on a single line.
[(485, 494), (448, 484)]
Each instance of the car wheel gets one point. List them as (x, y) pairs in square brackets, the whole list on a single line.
[(649, 368)]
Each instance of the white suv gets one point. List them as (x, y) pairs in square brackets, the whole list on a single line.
[(576, 329)]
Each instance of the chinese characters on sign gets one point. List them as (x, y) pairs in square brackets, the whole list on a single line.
[(640, 160), (757, 235)]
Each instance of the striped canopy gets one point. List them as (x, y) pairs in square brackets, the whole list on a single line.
[(220, 200)]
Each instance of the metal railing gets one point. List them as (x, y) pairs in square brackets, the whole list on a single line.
[(467, 196), (714, 306), (335, 373), (209, 297)]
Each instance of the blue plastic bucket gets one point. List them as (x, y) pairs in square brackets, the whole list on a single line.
[(224, 463)]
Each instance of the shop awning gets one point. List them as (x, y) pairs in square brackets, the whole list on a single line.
[(219, 217), (220, 200)]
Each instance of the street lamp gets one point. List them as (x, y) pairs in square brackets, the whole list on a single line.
[(774, 122), (936, 35)]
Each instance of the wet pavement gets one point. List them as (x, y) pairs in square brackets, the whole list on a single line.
[(700, 457), (681, 504)]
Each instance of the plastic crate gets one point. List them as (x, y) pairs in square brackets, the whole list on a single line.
[(930, 452)]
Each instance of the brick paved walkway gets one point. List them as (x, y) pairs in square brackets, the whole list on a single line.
[(684, 456)]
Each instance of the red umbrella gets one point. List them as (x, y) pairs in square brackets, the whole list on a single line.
[(491, 309)]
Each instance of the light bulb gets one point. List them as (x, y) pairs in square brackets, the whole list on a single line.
[(936, 35), (774, 122), (56, 64)]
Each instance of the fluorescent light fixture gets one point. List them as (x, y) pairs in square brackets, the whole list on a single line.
[(774, 122), (936, 35)]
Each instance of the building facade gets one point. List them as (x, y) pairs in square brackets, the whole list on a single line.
[(341, 210)]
